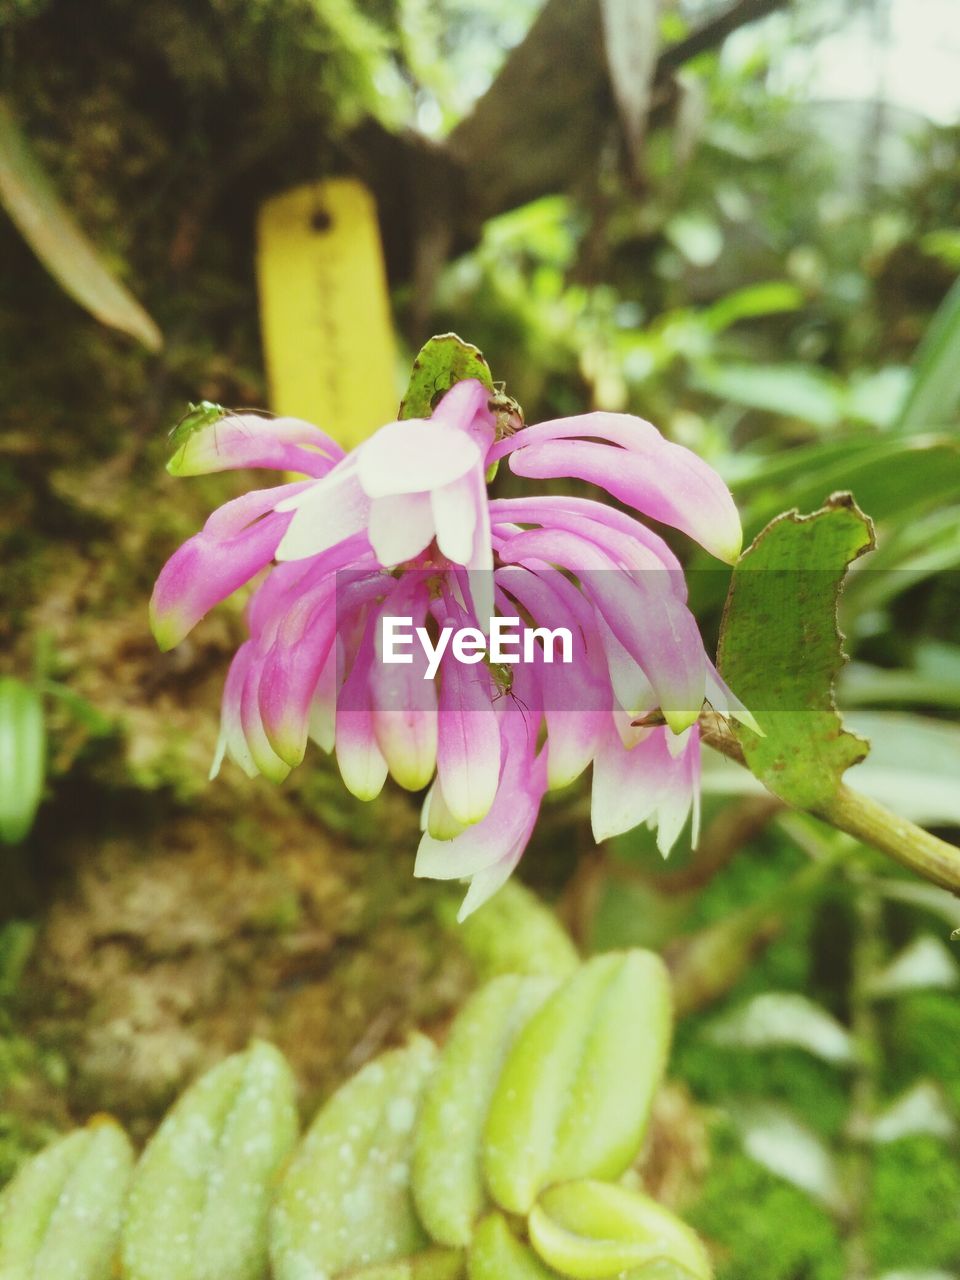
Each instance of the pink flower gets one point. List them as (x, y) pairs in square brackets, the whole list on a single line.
[(402, 528)]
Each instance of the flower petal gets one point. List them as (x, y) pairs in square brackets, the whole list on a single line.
[(231, 741), (264, 757), (455, 513), (641, 610), (404, 702), (323, 708), (466, 406), (332, 510), (437, 818), (468, 744), (414, 457), (400, 527), (362, 766), (643, 783), (489, 850), (237, 541), (249, 440), (637, 465)]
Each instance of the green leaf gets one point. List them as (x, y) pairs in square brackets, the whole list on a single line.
[(441, 362), (794, 390), (890, 478), (447, 1175), (345, 1200), (590, 1230), (775, 1139), (914, 765), (22, 758), (29, 198), (781, 650), (199, 1200), (496, 1254), (574, 1096), (773, 1019), (60, 1216), (935, 392), (766, 298)]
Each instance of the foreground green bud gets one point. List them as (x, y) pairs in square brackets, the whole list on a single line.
[(496, 1254), (574, 1096), (447, 1172), (201, 1192), (345, 1203), (60, 1216), (22, 758), (593, 1230)]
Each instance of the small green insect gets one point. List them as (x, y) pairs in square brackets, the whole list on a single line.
[(502, 675), (198, 416)]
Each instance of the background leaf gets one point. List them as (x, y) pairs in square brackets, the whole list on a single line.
[(935, 392), (28, 196)]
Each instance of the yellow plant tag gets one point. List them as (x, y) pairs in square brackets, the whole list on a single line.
[(324, 310)]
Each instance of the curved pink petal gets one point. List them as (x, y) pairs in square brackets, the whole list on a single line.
[(649, 621), (637, 465), (489, 850), (288, 582), (264, 757), (404, 703), (231, 741), (466, 406), (323, 707), (291, 671), (249, 440), (577, 698), (237, 542), (362, 765), (560, 510), (468, 742)]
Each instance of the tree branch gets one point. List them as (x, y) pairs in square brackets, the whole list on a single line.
[(714, 32)]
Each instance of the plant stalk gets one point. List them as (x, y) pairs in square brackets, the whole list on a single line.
[(868, 820)]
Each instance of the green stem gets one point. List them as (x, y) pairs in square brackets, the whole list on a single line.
[(910, 845), (869, 821)]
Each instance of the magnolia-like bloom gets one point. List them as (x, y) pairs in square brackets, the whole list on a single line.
[(402, 527)]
